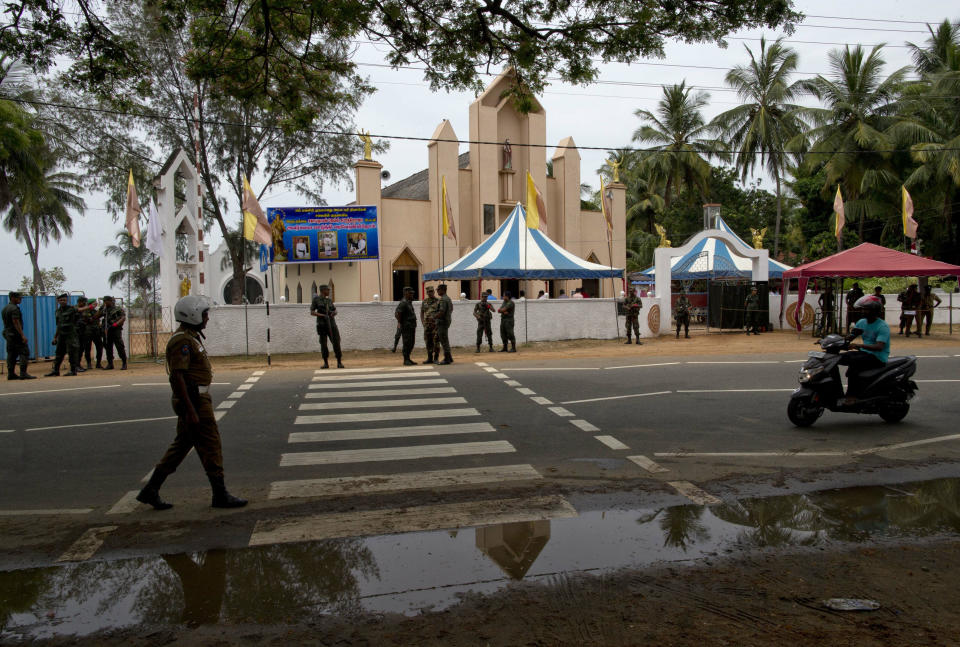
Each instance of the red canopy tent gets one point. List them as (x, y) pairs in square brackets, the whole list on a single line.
[(865, 259)]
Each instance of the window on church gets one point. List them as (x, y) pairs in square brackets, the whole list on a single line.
[(299, 293), (286, 292), (313, 289), (489, 219)]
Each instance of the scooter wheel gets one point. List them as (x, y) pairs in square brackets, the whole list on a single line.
[(802, 413), (894, 411)]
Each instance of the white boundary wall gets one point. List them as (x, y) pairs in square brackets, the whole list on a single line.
[(941, 315), (365, 326)]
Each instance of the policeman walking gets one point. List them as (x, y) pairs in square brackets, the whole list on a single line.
[(17, 346), (326, 313), (190, 377), (632, 305), (483, 313), (66, 339), (428, 319), (444, 318), (113, 320), (407, 322), (506, 323)]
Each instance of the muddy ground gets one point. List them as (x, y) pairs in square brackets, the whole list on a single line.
[(764, 598)]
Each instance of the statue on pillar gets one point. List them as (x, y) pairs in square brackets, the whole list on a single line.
[(185, 286), (664, 241), (507, 155), (615, 165), (758, 237), (367, 145)]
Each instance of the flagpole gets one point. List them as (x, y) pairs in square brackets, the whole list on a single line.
[(526, 330)]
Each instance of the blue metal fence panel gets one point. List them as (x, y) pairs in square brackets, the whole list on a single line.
[(41, 337)]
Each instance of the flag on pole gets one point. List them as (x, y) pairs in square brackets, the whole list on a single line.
[(536, 209), (154, 230), (838, 211), (606, 205), (449, 229), (255, 224), (909, 224), (133, 212)]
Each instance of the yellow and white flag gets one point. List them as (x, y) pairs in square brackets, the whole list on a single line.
[(133, 212), (536, 209), (449, 229), (838, 211), (606, 205), (256, 227), (909, 224)]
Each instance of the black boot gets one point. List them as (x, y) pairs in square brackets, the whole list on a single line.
[(326, 364), (109, 365), (339, 363), (491, 348), (24, 375), (150, 494), (123, 366), (504, 349), (447, 359), (478, 348), (100, 365), (408, 362), (628, 341), (222, 498), (429, 358), (513, 348), (54, 372)]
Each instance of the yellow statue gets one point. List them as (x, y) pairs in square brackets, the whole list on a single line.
[(758, 237), (367, 145), (185, 286), (276, 232), (664, 241), (615, 165)]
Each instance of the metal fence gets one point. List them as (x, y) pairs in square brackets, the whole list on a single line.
[(148, 330), (39, 323)]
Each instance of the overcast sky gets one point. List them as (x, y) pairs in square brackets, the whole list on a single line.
[(600, 115)]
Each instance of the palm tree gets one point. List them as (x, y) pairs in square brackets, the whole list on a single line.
[(137, 266), (679, 134), (760, 128), (850, 135), (934, 56)]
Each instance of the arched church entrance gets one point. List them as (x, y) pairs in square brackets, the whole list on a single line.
[(406, 273)]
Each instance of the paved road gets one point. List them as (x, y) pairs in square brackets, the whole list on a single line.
[(471, 436)]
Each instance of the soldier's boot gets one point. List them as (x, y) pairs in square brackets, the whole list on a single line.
[(429, 358), (55, 371), (396, 342), (88, 364), (628, 340), (222, 498), (504, 349), (123, 365), (24, 375), (99, 364), (408, 362), (12, 371), (513, 347), (326, 364), (491, 347), (339, 363), (109, 365), (447, 359), (478, 348), (150, 494), (639, 343)]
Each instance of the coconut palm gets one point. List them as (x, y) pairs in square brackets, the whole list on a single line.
[(934, 55), (759, 129), (137, 266), (850, 138), (677, 160)]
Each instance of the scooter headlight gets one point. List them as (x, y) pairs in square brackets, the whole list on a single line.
[(807, 374)]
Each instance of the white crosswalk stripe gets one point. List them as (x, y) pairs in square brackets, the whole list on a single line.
[(372, 416), (382, 404), (376, 376), (367, 385), (390, 432), (380, 393), (372, 369), (378, 454)]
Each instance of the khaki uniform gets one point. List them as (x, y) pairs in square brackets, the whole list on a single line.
[(428, 314), (185, 353), (632, 305)]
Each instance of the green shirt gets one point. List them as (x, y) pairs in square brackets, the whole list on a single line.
[(11, 313), (428, 310), (445, 310), (67, 320), (632, 305), (324, 305), (752, 302), (483, 311), (113, 315), (506, 310), (683, 305), (406, 314)]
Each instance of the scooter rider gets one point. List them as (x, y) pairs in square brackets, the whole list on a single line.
[(873, 351)]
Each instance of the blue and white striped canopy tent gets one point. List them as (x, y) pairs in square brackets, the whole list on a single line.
[(713, 258), (515, 252)]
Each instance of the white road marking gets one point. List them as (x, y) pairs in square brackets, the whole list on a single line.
[(412, 452), (560, 411), (98, 424), (525, 391), (617, 397), (252, 380), (226, 404), (794, 361), (218, 415), (360, 485), (374, 416), (389, 432), (372, 369), (88, 544), (934, 381), (377, 376), (694, 493), (735, 390), (6, 431), (368, 385), (127, 503), (481, 364), (555, 368), (433, 517), (912, 443), (76, 388), (754, 361), (500, 376), (44, 512), (611, 442), (244, 387), (379, 404), (611, 368), (511, 383), (259, 372), (584, 425), (647, 464), (168, 384), (931, 356), (380, 393), (489, 369), (539, 399), (780, 454), (236, 395)]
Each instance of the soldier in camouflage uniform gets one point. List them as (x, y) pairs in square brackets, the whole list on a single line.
[(91, 330), (483, 313), (326, 313), (407, 322), (17, 346), (632, 305), (113, 320), (428, 319), (66, 338), (444, 319)]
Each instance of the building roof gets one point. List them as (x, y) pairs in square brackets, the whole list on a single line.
[(417, 186)]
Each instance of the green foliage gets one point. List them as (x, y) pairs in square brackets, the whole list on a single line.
[(53, 280), (825, 244)]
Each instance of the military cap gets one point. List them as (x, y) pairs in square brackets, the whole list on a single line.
[(429, 288), (324, 287), (81, 298), (506, 293), (408, 289), (63, 296), (442, 285), (15, 295), (107, 297)]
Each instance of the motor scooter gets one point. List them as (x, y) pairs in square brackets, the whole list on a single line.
[(886, 391)]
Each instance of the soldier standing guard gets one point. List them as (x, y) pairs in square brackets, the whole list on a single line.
[(632, 305), (506, 323), (444, 318), (428, 319), (483, 313), (90, 330), (17, 346), (190, 377), (323, 309), (113, 319), (752, 305), (407, 321), (683, 315), (65, 339)]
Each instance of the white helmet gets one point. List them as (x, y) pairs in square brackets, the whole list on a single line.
[(190, 309)]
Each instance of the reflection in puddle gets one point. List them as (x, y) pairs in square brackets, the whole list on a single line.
[(408, 572)]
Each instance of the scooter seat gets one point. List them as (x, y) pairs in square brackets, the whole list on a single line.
[(892, 362)]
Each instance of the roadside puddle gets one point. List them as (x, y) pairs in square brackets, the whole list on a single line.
[(407, 573)]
